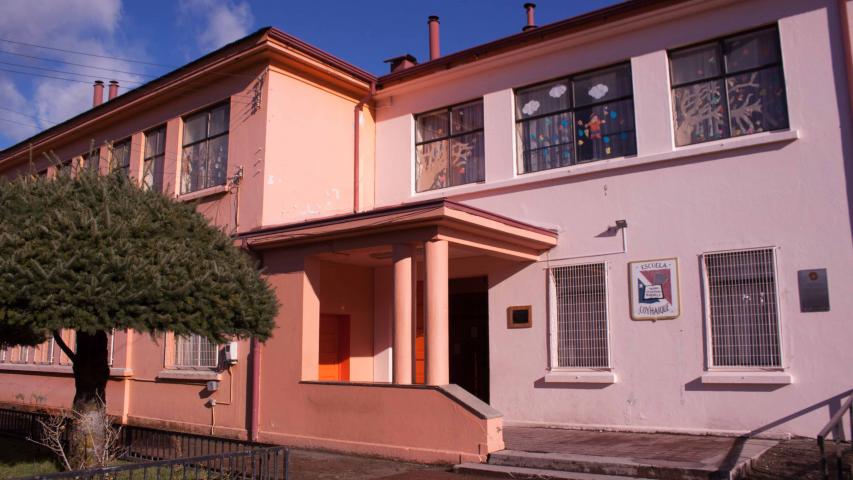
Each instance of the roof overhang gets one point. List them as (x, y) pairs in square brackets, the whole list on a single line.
[(416, 222)]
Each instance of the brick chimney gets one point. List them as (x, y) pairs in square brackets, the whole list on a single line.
[(402, 62), (98, 93), (531, 23), (113, 89), (434, 51)]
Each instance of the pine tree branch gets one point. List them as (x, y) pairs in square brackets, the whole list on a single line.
[(59, 341)]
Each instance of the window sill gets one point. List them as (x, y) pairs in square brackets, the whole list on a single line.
[(205, 192), (569, 376), (193, 376), (679, 153), (747, 378), (57, 369)]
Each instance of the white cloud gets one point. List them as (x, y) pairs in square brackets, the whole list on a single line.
[(217, 22), (79, 25)]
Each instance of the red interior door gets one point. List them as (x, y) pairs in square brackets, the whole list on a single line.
[(334, 347)]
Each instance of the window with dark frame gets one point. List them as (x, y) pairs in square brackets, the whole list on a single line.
[(121, 157), (153, 159), (576, 119), (92, 160), (204, 159), (728, 87), (449, 146)]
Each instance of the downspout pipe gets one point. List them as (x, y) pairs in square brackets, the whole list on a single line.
[(356, 162), (254, 368), (847, 46)]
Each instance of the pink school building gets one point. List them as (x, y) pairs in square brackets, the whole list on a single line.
[(636, 219)]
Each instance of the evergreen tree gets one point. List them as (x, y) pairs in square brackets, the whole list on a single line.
[(95, 253)]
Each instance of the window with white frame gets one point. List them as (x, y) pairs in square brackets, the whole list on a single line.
[(48, 352), (204, 160), (449, 147), (577, 119), (742, 310), (728, 87), (579, 337), (195, 351)]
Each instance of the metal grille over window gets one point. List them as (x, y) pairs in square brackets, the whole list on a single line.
[(153, 159), (581, 315), (730, 87), (195, 351), (205, 149), (121, 157), (583, 118), (742, 306), (450, 149)]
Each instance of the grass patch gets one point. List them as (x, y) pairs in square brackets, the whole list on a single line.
[(20, 458)]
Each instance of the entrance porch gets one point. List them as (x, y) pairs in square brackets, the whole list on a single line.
[(383, 310)]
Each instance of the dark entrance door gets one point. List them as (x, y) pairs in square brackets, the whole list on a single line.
[(469, 335)]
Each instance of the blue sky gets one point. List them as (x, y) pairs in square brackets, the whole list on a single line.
[(169, 33)]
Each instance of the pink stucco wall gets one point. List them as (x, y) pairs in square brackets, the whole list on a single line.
[(784, 189)]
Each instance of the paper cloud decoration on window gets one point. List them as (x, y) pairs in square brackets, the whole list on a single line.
[(597, 91), (530, 107), (557, 91)]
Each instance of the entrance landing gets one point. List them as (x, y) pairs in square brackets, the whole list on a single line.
[(541, 452)]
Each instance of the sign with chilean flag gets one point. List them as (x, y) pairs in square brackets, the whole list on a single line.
[(654, 289)]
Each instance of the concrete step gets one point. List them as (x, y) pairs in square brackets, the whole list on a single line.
[(613, 466), (500, 471)]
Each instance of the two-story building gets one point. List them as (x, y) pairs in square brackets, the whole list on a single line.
[(636, 219)]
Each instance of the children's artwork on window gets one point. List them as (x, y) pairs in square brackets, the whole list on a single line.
[(699, 113), (729, 87), (756, 102), (449, 147), (600, 123)]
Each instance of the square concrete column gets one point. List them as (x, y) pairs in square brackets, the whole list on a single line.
[(437, 336), (402, 257)]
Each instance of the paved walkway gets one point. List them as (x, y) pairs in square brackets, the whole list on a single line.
[(704, 451), (795, 459)]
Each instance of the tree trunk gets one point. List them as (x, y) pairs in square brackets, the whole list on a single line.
[(87, 440)]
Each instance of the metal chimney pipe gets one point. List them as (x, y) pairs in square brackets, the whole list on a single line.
[(434, 51), (98, 93), (531, 23), (113, 89)]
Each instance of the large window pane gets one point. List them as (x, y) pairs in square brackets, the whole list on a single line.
[(218, 120), (751, 50), (542, 99), (696, 63), (744, 92), (155, 142), (605, 131), (467, 159), (546, 143), (121, 157), (757, 102), (194, 168), (466, 118), (152, 173), (699, 113), (195, 128), (602, 85), (205, 152), (449, 147), (218, 160), (431, 165), (432, 126)]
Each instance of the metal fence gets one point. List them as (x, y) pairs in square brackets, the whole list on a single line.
[(154, 454), (267, 463)]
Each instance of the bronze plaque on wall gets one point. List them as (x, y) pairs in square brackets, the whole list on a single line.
[(814, 290)]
